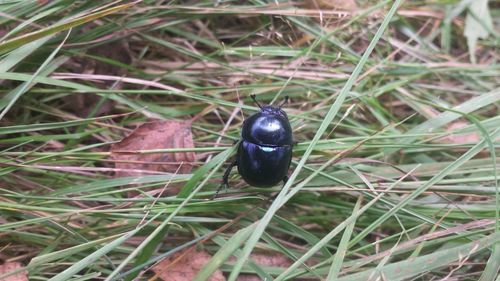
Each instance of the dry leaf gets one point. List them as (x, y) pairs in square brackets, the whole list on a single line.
[(11, 266), (159, 134), (184, 266)]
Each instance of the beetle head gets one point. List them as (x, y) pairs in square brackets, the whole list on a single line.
[(272, 110)]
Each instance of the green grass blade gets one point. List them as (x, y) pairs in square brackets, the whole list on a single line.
[(350, 220), (409, 268), (224, 253), (50, 257), (492, 265), (6, 105), (338, 259), (90, 259), (25, 39), (439, 176), (160, 229)]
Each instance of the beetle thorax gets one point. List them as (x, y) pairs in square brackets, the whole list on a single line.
[(270, 127)]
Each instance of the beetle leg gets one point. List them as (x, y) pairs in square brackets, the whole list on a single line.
[(225, 178), (285, 179)]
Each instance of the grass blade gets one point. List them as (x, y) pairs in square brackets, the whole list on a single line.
[(338, 259), (25, 39)]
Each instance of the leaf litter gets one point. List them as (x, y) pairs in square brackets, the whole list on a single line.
[(130, 159)]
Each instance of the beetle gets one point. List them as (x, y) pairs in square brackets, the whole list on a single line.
[(265, 149)]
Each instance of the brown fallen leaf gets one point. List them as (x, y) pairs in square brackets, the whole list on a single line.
[(11, 266), (157, 134), (184, 266)]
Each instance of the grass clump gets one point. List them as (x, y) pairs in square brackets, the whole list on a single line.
[(394, 176)]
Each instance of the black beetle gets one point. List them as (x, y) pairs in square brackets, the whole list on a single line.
[(265, 150)]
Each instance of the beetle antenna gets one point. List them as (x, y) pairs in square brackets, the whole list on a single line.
[(256, 101), (284, 102)]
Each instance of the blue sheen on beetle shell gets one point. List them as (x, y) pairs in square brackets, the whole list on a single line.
[(268, 149), (263, 166), (268, 129)]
